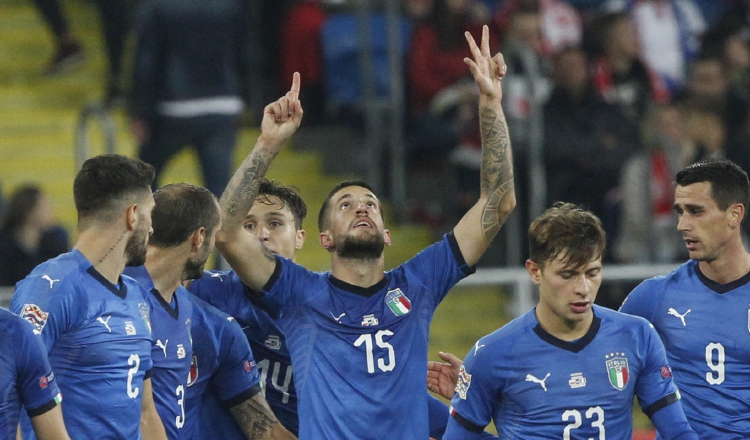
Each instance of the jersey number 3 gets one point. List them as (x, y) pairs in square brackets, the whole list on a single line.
[(390, 355)]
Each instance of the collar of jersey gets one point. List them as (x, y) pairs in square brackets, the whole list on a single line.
[(358, 290), (721, 288), (121, 289), (174, 313), (574, 346)]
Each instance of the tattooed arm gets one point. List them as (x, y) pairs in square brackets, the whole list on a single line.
[(244, 252), (478, 227), (257, 420)]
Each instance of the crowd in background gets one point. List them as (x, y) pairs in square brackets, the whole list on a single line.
[(628, 92)]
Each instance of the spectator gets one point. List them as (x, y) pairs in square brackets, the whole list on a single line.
[(68, 51), (618, 73), (559, 23), (669, 32), (647, 232), (587, 141), (28, 235), (189, 83)]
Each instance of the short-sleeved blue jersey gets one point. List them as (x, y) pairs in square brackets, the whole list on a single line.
[(25, 375), (172, 352), (226, 291), (224, 372), (705, 328), (360, 354), (533, 385), (98, 337)]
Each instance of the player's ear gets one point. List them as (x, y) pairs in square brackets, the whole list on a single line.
[(535, 272), (736, 214), (198, 237), (387, 237), (326, 240), (299, 239), (131, 217)]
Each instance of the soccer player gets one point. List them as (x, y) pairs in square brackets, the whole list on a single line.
[(185, 221), (567, 369), (358, 336), (701, 309), (93, 322), (27, 379)]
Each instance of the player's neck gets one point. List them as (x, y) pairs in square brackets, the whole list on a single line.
[(358, 272), (165, 268), (104, 247), (733, 264), (563, 329)]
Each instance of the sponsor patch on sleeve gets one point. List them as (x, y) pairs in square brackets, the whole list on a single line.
[(463, 383)]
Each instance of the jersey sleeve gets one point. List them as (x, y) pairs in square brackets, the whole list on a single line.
[(642, 300), (36, 381), (655, 388), (225, 291), (439, 267), (287, 286), (476, 391), (237, 378), (51, 311)]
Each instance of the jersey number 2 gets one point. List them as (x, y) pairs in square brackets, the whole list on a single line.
[(391, 355), (135, 361)]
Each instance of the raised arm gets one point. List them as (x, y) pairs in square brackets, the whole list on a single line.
[(475, 231), (245, 253)]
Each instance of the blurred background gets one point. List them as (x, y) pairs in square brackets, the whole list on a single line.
[(605, 101)]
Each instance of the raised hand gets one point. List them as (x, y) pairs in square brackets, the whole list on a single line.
[(488, 71), (282, 118), (442, 377)]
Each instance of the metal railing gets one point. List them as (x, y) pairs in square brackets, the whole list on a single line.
[(93, 112), (524, 292)]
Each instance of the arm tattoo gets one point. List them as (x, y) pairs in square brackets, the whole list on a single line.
[(496, 171), (238, 199), (254, 418)]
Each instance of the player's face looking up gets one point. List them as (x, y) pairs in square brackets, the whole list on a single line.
[(273, 223), (566, 293), (704, 226), (135, 250), (356, 224)]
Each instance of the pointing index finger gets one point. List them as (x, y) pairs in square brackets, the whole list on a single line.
[(472, 46), (295, 86)]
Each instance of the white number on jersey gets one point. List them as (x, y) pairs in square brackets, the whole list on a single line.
[(135, 361), (179, 421), (391, 356), (718, 366), (596, 413), (264, 367)]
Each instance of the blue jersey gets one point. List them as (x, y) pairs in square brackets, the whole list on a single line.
[(172, 352), (25, 375), (224, 372), (360, 354), (226, 291), (705, 328), (533, 385), (98, 337)]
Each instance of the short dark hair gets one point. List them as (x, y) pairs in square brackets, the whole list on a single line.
[(106, 181), (21, 203), (729, 183), (324, 208), (288, 195), (180, 209), (569, 230)]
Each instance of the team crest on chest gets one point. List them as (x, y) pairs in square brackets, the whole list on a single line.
[(33, 314), (398, 302), (617, 370)]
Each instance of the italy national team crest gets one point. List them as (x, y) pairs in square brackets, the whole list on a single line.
[(617, 367), (398, 302), (33, 314), (193, 374), (145, 315)]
